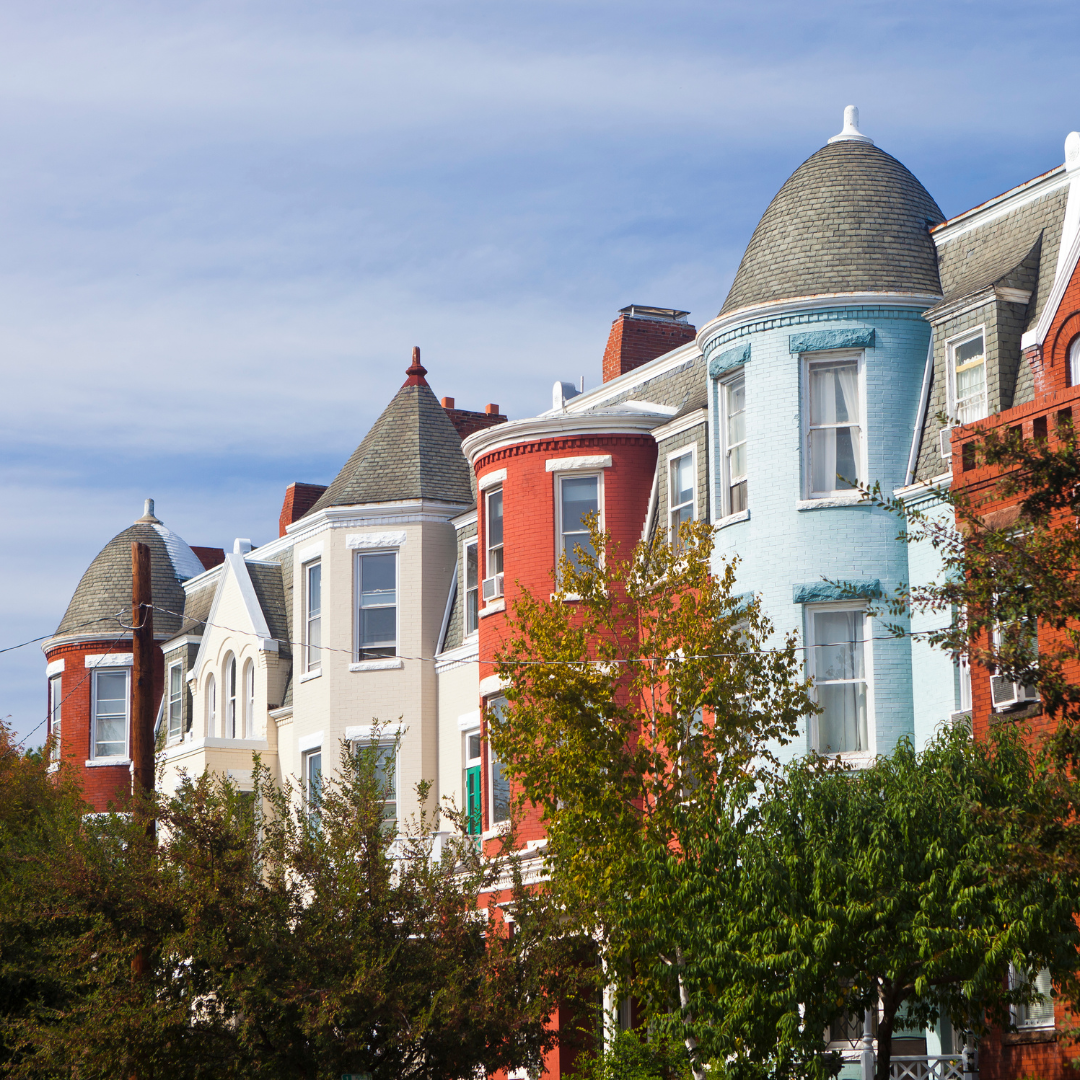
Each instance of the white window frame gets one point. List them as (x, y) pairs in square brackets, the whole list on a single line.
[(951, 345), (1074, 361), (575, 474), (722, 389), (210, 704), (312, 663), (690, 451), (110, 670), (487, 806), (249, 700), (809, 610), (357, 597), (174, 708), (810, 360), (488, 571), (1018, 1012), (56, 701), (391, 746), (308, 757), (232, 692), (474, 543)]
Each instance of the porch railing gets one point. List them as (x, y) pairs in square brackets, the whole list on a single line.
[(932, 1067)]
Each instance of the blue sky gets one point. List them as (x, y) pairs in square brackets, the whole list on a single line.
[(224, 225)]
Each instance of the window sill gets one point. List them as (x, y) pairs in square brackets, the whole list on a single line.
[(309, 675), (493, 608), (733, 519), (391, 663), (830, 503), (857, 759), (53, 767), (499, 829), (1028, 1035), (97, 763)]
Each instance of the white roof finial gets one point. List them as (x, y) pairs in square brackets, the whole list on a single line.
[(1072, 151), (851, 132)]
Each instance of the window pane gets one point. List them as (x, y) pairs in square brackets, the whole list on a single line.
[(737, 461), (494, 521), (839, 676), (834, 393), (473, 747), (839, 654), (500, 793), (470, 566), (315, 590), (1038, 1013), (736, 406), (682, 480), (578, 499), (386, 779), (314, 776), (842, 726), (969, 352), (738, 497), (377, 578), (834, 458), (378, 630)]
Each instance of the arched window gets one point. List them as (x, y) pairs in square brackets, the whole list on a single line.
[(249, 700), (1074, 362), (230, 698), (211, 707)]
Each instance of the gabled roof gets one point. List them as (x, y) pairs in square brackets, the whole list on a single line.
[(411, 452)]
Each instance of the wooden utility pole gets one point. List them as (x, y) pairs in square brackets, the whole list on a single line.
[(142, 672)]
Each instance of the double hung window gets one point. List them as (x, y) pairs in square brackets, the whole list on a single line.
[(386, 778), (249, 700), (377, 614), (733, 430), (835, 431), (1074, 362), (578, 496), (967, 378), (472, 588), (682, 481), (55, 698), (838, 666), (211, 707), (176, 702), (493, 544), (1036, 1014), (313, 648), (230, 698), (111, 696), (313, 777), (499, 782)]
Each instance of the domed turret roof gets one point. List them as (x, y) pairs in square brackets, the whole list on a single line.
[(105, 588), (850, 219), (412, 451)]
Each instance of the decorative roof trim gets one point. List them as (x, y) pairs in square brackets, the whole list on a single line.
[(730, 358), (682, 423), (733, 319), (826, 340), (563, 426), (1006, 203), (372, 540)]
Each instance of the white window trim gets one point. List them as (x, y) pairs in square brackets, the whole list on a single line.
[(56, 722), (168, 704), (856, 757), (1014, 1010), (494, 828), (115, 759), (558, 479), (115, 659), (951, 345), (485, 570), (235, 700), (249, 699), (55, 668), (723, 496), (473, 541), (210, 720), (836, 496), (588, 462), (1072, 366), (674, 455), (362, 665), (491, 479), (305, 764), (306, 568)]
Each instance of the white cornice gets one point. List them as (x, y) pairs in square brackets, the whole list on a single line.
[(561, 426), (463, 521), (202, 580), (683, 423), (590, 399), (815, 302), (406, 512), (1007, 203)]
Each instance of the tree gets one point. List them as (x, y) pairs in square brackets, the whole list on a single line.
[(643, 685), (829, 892), (284, 940)]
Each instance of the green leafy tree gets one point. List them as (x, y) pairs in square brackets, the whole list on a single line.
[(901, 888), (640, 687), (629, 1056), (282, 940)]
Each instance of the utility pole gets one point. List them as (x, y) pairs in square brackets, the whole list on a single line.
[(142, 673)]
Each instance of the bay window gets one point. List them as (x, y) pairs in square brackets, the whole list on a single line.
[(377, 609), (837, 639), (835, 432), (313, 616), (110, 713)]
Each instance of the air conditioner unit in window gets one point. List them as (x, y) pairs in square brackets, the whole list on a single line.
[(945, 443), (493, 587), (1006, 693)]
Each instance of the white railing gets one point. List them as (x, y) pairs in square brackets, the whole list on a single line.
[(934, 1067)]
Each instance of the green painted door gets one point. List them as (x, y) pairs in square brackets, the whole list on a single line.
[(472, 799)]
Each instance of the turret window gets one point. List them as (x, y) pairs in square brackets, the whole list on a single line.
[(835, 443), (838, 665), (493, 542), (110, 713), (579, 496), (733, 434), (55, 698), (967, 378)]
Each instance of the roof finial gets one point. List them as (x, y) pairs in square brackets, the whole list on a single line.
[(416, 371), (1072, 151), (851, 132), (148, 513)]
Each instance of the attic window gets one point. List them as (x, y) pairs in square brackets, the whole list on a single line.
[(967, 378)]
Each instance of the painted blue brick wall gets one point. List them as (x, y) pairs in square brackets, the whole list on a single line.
[(781, 545)]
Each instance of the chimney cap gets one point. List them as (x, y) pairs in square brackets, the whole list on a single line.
[(646, 311), (447, 402)]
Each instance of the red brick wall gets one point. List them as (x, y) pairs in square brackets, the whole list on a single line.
[(529, 527), (299, 499), (634, 341), (466, 422), (101, 784)]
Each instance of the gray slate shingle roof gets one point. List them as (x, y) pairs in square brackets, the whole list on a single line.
[(270, 591), (411, 452), (197, 607), (105, 588), (851, 218)]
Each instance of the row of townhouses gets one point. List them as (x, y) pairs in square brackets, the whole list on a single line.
[(861, 332)]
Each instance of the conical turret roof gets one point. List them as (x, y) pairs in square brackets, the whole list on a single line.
[(104, 593), (411, 452), (850, 219)]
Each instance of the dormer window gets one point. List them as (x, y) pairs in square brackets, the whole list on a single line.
[(967, 377)]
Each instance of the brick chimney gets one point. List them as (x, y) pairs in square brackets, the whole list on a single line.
[(467, 422), (641, 334), (299, 499)]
